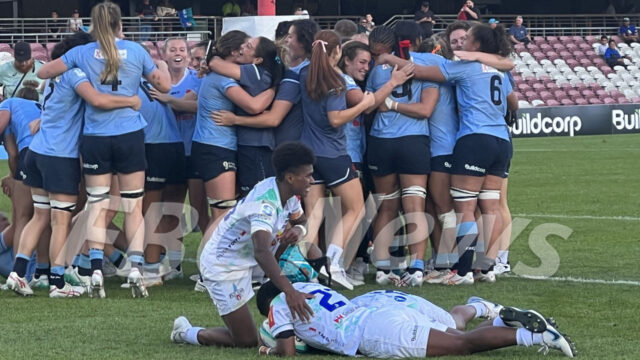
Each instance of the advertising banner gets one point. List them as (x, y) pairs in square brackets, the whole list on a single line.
[(577, 120)]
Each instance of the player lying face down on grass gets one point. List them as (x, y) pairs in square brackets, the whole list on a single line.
[(247, 237), (378, 325)]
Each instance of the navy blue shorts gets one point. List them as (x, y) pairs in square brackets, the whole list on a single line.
[(122, 154), (20, 174), (166, 165), (254, 165), (442, 163), (191, 171), (210, 161), (480, 155), (56, 175), (506, 173), (404, 155), (333, 172)]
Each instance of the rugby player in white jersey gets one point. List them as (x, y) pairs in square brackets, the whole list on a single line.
[(246, 238), (342, 327)]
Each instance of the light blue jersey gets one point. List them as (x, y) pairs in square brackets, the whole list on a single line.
[(212, 97), (186, 120), (481, 92), (22, 112), (354, 129), (161, 121), (444, 122), (254, 80), (317, 133), (302, 65), (62, 116), (290, 128), (135, 63), (392, 124)]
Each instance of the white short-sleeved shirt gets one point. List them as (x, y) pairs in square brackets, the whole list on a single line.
[(229, 253)]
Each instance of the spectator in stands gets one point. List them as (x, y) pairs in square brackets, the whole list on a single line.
[(147, 14), (53, 26), (628, 32), (493, 23), (604, 45), (468, 11), (75, 23), (231, 8), (346, 28), (613, 57), (424, 18), (13, 74), (518, 33), (370, 24), (165, 9)]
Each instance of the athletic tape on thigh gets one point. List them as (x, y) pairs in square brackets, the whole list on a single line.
[(448, 220), (97, 193), (393, 195), (132, 194), (463, 195), (415, 190), (40, 201), (489, 195), (63, 205), (221, 204)]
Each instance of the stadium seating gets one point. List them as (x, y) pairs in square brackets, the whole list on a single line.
[(565, 70)]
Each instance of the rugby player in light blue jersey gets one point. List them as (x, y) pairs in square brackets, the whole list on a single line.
[(183, 99), (261, 68), (18, 115), (325, 111), (113, 140), (483, 94), (285, 114), (214, 147), (399, 173), (52, 166)]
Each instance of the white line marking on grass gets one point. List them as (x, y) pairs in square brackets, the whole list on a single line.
[(575, 280), (584, 217)]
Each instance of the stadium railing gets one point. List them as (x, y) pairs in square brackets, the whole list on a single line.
[(545, 25)]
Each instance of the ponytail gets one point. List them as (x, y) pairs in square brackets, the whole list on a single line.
[(271, 61), (105, 19), (322, 78), (492, 41)]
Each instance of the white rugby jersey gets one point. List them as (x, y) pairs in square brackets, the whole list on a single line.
[(337, 324), (393, 299), (229, 253)]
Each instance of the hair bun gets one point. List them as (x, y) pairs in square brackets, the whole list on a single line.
[(30, 84)]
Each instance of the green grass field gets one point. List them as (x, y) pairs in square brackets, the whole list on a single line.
[(586, 185)]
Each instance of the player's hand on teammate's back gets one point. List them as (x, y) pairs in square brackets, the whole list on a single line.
[(223, 118), (400, 76), (159, 96), (34, 126), (466, 55), (297, 302)]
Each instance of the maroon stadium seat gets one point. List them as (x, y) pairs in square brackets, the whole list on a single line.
[(574, 94), (591, 38), (623, 100), (6, 48), (616, 94), (36, 46), (572, 63), (519, 96), (560, 94), (565, 55), (588, 93), (531, 95), (558, 47), (603, 94), (584, 62), (538, 87), (546, 96), (581, 101), (636, 100), (545, 47), (524, 87), (552, 103), (539, 39), (577, 39), (567, 102), (551, 86), (609, 101), (594, 101)]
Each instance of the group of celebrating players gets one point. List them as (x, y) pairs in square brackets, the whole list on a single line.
[(259, 131)]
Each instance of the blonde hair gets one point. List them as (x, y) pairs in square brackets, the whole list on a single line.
[(105, 20)]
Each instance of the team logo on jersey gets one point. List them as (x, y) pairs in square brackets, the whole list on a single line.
[(400, 298), (414, 333), (267, 210), (237, 293), (270, 317), (98, 55), (338, 319), (488, 69)]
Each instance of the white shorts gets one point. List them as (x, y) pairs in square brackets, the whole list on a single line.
[(229, 295), (397, 333)]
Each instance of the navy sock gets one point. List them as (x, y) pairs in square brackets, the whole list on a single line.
[(116, 258), (466, 238), (42, 269), (96, 256), (56, 277), (84, 265), (20, 264)]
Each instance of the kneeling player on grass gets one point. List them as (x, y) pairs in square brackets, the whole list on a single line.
[(246, 238), (342, 327)]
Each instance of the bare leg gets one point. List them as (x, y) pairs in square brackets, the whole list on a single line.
[(240, 331), (483, 339)]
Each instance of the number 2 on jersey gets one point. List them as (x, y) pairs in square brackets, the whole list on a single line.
[(324, 301)]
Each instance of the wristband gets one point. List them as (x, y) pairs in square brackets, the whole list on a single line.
[(303, 229), (395, 106), (388, 102)]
